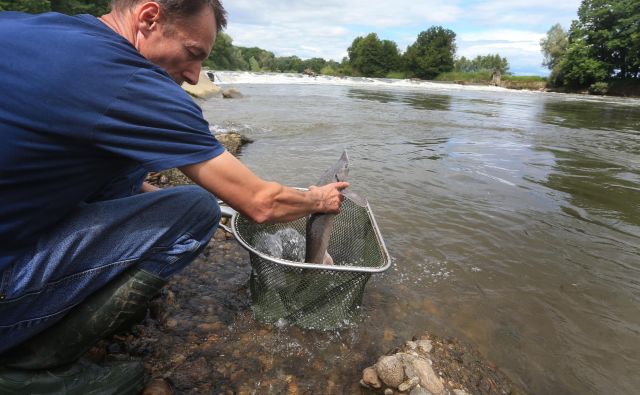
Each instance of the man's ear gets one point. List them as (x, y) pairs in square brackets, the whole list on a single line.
[(147, 16)]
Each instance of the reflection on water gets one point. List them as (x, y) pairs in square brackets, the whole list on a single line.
[(415, 100), (593, 115), (513, 217), (602, 188)]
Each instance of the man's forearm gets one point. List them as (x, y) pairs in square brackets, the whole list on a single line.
[(146, 187)]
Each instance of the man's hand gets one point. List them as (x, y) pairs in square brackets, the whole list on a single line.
[(329, 197)]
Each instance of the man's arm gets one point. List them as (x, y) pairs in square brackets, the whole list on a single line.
[(262, 201), (146, 187)]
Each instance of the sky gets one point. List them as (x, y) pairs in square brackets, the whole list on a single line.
[(312, 28)]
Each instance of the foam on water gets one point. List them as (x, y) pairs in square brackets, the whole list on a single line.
[(243, 77)]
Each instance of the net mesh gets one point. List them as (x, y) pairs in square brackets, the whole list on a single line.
[(310, 297)]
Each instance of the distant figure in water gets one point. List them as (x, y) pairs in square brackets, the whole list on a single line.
[(88, 107)]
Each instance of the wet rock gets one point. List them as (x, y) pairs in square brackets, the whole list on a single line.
[(390, 370), (421, 368), (370, 378), (409, 384), (231, 93), (424, 345), (232, 141), (411, 345), (203, 89), (419, 391), (158, 387)]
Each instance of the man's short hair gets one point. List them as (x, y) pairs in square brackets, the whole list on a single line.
[(181, 8)]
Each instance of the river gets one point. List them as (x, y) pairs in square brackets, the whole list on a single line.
[(513, 218)]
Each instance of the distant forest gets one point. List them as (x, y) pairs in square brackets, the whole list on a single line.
[(601, 49)]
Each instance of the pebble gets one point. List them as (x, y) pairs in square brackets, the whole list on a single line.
[(460, 392), (158, 387)]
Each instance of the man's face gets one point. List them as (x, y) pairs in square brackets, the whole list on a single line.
[(180, 46)]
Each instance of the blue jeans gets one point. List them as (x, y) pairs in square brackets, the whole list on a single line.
[(160, 231)]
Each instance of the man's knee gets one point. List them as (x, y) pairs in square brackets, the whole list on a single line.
[(201, 206)]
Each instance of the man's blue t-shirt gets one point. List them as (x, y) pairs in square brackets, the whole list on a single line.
[(78, 107)]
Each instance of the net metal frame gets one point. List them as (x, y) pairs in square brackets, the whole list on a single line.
[(315, 296)]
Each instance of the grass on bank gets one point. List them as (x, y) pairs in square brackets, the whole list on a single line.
[(532, 82)]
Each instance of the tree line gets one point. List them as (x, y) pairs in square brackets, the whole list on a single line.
[(70, 7), (431, 54), (601, 48)]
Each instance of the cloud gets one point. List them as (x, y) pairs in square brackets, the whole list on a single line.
[(311, 28)]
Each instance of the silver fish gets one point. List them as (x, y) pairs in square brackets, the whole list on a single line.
[(319, 225)]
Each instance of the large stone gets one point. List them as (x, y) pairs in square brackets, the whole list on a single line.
[(420, 367), (204, 88), (390, 370), (370, 378), (419, 391), (232, 141), (231, 93), (409, 384)]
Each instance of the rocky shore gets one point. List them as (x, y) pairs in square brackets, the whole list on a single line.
[(200, 337)]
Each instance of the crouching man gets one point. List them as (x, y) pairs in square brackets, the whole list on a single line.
[(88, 107)]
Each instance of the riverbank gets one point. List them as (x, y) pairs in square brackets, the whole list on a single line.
[(465, 81), (200, 336)]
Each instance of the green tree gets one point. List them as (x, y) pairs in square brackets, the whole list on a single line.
[(611, 29), (371, 57), (554, 46), (315, 64), (554, 49), (73, 7), (69, 7), (391, 59), (578, 68), (253, 64), (432, 53), (482, 63), (263, 57), (225, 56), (604, 43), (31, 6), (288, 64)]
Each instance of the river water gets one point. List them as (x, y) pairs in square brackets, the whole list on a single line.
[(513, 218)]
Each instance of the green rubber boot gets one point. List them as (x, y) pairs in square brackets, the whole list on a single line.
[(79, 378), (48, 362)]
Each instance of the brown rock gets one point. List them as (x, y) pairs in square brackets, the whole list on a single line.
[(232, 141), (158, 387), (231, 93), (409, 384), (420, 367), (390, 370), (203, 89), (370, 378)]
